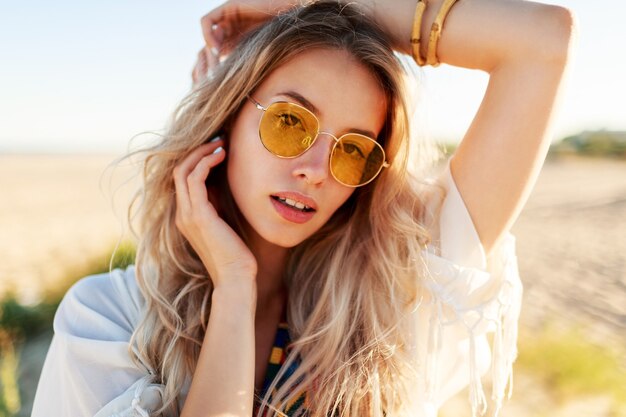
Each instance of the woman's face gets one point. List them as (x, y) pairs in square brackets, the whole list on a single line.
[(345, 97)]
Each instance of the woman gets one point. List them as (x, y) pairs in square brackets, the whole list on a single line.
[(286, 215)]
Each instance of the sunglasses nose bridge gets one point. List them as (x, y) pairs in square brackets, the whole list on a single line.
[(329, 134), (333, 144), (335, 139)]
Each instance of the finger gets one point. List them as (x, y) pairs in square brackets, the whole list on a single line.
[(190, 161), (182, 170), (198, 195), (203, 62), (200, 70), (183, 204), (212, 58), (209, 23)]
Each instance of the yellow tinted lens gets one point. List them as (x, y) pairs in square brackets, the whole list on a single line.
[(356, 159), (287, 129)]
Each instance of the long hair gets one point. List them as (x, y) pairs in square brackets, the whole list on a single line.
[(350, 285)]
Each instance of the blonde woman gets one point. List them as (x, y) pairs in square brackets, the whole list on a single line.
[(299, 252)]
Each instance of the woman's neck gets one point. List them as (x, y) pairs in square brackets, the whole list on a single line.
[(271, 264)]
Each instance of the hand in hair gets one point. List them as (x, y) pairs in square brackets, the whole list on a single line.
[(223, 26), (225, 256)]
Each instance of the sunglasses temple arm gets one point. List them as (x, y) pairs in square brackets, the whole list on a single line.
[(257, 104)]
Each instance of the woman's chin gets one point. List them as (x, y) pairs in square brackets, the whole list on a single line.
[(276, 236), (285, 241)]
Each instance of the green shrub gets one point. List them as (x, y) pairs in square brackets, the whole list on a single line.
[(569, 364), (601, 143), (20, 323)]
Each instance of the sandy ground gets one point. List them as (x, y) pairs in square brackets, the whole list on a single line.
[(571, 243), (56, 214)]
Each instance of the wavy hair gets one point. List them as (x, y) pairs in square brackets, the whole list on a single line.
[(350, 285)]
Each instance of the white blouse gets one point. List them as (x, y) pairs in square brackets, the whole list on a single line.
[(89, 373)]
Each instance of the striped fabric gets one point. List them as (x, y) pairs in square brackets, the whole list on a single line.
[(278, 356)]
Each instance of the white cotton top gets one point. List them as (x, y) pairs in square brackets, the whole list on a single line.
[(88, 371)]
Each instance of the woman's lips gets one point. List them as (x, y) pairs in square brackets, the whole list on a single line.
[(291, 214), (298, 197)]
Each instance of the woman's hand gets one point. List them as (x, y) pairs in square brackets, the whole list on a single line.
[(223, 253), (224, 26)]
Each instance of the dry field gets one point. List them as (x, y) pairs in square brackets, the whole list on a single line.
[(571, 242), (56, 213)]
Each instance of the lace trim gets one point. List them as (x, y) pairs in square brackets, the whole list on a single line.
[(500, 292), (140, 404)]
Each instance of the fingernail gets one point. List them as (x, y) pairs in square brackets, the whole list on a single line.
[(218, 150), (218, 33), (215, 51), (215, 139)]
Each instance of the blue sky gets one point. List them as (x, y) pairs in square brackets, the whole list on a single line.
[(87, 76)]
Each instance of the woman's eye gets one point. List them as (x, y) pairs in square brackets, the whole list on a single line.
[(288, 119), (353, 149)]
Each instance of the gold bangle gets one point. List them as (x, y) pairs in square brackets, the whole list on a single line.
[(416, 34), (435, 32)]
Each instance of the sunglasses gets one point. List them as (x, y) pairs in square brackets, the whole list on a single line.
[(288, 130)]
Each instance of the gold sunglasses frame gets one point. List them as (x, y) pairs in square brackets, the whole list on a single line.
[(385, 164)]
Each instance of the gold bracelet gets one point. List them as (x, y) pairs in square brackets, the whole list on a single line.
[(435, 32), (416, 34)]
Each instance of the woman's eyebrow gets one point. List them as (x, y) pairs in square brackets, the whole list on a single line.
[(306, 103), (301, 100)]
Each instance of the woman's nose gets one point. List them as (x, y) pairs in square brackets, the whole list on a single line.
[(313, 165)]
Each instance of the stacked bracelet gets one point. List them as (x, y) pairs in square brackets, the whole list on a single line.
[(416, 34), (435, 32)]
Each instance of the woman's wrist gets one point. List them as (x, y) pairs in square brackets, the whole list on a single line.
[(240, 292), (395, 18), (223, 380)]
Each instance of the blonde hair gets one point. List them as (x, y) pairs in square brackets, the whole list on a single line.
[(350, 284)]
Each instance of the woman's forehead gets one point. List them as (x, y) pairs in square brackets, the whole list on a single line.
[(329, 83)]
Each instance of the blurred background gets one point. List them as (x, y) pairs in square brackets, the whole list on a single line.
[(78, 80)]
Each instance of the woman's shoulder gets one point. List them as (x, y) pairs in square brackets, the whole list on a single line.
[(88, 370), (459, 270), (104, 307), (470, 295), (454, 235)]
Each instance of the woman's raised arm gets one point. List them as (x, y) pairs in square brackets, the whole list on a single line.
[(525, 47)]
